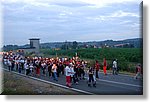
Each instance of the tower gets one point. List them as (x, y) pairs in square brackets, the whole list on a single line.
[(35, 43)]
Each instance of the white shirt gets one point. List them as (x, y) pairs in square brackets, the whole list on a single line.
[(114, 64), (5, 61), (31, 66), (67, 71), (21, 61), (26, 66), (72, 71), (54, 68)]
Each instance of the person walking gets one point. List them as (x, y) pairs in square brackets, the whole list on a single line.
[(97, 67), (22, 63), (9, 64), (105, 66), (68, 77), (20, 68), (31, 67), (114, 67), (27, 70), (13, 65), (61, 68), (91, 77), (82, 68), (72, 73), (49, 69), (54, 70), (43, 65), (37, 66), (76, 75), (138, 71), (58, 69)]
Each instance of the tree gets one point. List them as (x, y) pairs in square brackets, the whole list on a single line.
[(10, 47), (63, 47), (74, 45)]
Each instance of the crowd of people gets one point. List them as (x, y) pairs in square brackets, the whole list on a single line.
[(73, 68)]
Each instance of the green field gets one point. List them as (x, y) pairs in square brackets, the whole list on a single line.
[(127, 57)]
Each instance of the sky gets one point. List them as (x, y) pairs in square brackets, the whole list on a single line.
[(71, 20)]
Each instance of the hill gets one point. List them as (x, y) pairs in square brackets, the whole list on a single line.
[(134, 43)]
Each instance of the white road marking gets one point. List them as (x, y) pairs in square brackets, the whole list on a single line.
[(119, 74), (119, 83), (51, 83)]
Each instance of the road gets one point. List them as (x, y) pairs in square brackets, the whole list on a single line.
[(106, 85)]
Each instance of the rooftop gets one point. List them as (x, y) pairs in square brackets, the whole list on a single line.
[(34, 39)]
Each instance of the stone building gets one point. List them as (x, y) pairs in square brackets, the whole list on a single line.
[(34, 46)]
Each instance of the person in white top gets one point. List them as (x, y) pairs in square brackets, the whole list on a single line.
[(114, 67), (21, 61), (16, 64), (54, 70), (27, 70), (72, 73), (68, 76), (9, 65), (31, 68), (5, 61), (44, 68)]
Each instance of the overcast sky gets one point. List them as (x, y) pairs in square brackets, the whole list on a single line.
[(71, 20)]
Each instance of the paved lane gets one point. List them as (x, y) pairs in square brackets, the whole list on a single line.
[(107, 84)]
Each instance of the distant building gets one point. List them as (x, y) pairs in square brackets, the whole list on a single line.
[(125, 45), (34, 46)]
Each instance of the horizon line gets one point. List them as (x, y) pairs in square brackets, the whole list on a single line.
[(76, 41)]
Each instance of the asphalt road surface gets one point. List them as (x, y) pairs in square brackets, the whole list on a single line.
[(106, 84)]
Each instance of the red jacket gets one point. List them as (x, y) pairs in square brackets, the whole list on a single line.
[(104, 63), (97, 66)]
